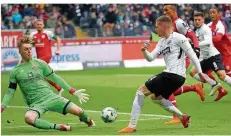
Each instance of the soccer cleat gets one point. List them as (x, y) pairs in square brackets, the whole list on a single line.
[(185, 120), (221, 94), (214, 88), (199, 90), (127, 130), (174, 120), (91, 123), (65, 127)]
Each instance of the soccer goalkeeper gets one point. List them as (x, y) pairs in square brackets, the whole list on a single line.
[(31, 76)]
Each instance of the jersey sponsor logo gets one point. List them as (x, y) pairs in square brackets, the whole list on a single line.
[(10, 58), (30, 75), (165, 51)]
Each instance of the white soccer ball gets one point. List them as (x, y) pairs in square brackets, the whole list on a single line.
[(108, 115)]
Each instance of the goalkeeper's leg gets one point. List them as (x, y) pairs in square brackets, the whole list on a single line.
[(32, 117)]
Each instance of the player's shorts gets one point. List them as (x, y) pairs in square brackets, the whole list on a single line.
[(164, 84), (214, 63), (187, 61), (227, 63), (47, 58), (60, 105)]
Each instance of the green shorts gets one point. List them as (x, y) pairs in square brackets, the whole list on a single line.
[(60, 105)]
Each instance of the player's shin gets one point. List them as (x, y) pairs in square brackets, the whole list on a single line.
[(168, 106), (136, 109), (210, 81), (228, 79), (43, 124)]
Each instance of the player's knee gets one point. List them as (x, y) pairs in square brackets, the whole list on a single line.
[(30, 117), (144, 90), (221, 75)]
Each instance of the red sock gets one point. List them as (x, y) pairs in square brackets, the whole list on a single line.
[(58, 88), (173, 101), (184, 89)]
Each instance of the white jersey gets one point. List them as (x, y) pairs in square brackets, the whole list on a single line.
[(173, 50), (220, 28), (207, 49)]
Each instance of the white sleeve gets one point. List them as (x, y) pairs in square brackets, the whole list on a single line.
[(220, 28), (50, 34), (182, 27), (207, 38), (152, 56), (185, 45)]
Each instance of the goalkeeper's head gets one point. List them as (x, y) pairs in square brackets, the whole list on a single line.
[(25, 48)]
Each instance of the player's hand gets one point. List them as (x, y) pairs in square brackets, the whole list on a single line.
[(202, 77), (2, 109), (83, 97), (57, 52), (145, 46)]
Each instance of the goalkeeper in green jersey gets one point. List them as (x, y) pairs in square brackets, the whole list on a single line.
[(31, 76)]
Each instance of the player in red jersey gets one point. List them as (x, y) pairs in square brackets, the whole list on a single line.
[(42, 41), (183, 28), (223, 44)]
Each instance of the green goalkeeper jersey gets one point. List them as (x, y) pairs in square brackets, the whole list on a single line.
[(31, 78)]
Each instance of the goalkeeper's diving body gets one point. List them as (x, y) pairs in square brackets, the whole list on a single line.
[(31, 76)]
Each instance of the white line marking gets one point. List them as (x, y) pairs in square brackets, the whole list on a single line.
[(94, 111), (95, 121)]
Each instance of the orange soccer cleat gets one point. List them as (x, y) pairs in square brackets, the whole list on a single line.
[(174, 120), (127, 130), (185, 120), (199, 90)]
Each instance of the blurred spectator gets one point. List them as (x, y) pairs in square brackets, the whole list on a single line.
[(68, 28), (17, 17), (110, 20), (28, 10), (117, 30)]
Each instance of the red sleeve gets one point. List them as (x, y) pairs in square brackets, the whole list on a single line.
[(191, 35), (218, 37)]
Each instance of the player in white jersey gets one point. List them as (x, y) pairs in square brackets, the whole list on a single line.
[(182, 27), (210, 57), (173, 47)]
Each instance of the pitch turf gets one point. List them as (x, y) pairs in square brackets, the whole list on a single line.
[(116, 88)]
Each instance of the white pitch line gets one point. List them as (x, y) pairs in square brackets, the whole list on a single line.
[(95, 121), (122, 113)]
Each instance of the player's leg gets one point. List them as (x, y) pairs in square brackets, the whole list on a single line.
[(168, 106), (136, 109), (64, 106), (161, 95), (32, 117)]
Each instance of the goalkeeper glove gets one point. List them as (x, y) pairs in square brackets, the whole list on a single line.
[(83, 97)]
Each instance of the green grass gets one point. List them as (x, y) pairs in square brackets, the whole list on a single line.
[(116, 88)]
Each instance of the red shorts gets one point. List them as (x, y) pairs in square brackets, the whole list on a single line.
[(45, 58), (227, 63), (187, 60)]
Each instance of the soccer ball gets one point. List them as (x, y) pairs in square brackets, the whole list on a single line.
[(108, 115)]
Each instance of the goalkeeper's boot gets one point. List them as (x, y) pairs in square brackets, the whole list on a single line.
[(185, 120), (65, 127)]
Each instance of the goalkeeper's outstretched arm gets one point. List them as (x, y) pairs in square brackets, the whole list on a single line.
[(9, 95)]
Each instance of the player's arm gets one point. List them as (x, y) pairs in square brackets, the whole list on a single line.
[(184, 29), (186, 47), (57, 39), (150, 56), (10, 92), (50, 74), (219, 34)]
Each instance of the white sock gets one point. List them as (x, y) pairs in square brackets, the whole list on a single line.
[(136, 109), (228, 79), (167, 105), (210, 81)]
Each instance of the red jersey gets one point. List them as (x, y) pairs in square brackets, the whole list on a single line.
[(223, 45), (43, 44)]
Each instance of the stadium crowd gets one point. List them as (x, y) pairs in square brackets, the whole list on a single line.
[(100, 20)]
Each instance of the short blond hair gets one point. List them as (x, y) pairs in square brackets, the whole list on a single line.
[(25, 40), (165, 19)]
